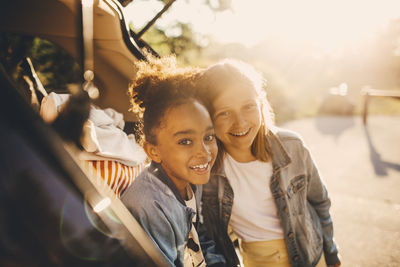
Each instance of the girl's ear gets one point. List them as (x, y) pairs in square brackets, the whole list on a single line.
[(152, 152)]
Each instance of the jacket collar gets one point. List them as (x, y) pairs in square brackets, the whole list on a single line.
[(157, 170), (280, 157)]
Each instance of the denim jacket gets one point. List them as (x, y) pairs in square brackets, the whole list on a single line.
[(157, 205), (301, 199)]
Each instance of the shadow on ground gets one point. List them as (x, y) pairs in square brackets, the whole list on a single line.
[(353, 159), (333, 125), (380, 166)]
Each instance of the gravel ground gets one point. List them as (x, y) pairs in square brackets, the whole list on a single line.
[(361, 168)]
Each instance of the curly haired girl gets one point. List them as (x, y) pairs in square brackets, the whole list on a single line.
[(178, 137)]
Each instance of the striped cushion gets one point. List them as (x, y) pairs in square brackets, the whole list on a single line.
[(112, 174)]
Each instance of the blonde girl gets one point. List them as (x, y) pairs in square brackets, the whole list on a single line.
[(265, 187)]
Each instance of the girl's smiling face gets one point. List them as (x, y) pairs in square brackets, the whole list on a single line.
[(186, 145), (237, 120)]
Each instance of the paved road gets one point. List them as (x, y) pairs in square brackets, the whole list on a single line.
[(361, 168)]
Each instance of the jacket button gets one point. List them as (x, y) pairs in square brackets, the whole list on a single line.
[(296, 258), (290, 235)]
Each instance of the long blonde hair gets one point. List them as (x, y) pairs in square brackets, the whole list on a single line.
[(218, 78)]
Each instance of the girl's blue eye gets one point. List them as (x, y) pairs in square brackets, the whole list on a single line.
[(185, 142), (209, 138)]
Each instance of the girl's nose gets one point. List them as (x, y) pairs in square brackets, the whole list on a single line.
[(204, 149), (239, 119)]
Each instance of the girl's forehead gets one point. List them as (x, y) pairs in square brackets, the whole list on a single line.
[(189, 119), (184, 113), (239, 90)]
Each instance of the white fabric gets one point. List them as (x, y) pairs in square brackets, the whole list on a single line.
[(254, 214), (193, 257), (103, 136), (191, 202), (59, 99)]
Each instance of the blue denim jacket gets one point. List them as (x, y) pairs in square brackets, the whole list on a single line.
[(300, 196), (155, 202)]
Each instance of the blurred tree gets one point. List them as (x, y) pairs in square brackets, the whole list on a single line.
[(183, 45), (220, 5), (387, 56), (179, 38), (54, 66)]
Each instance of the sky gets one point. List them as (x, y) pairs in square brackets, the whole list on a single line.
[(328, 24)]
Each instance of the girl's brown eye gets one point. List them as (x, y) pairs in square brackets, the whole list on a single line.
[(223, 114), (209, 138), (185, 142)]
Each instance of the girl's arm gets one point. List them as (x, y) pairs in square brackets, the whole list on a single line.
[(154, 221), (317, 196)]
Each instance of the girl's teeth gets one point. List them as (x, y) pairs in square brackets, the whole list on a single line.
[(201, 166), (239, 134)]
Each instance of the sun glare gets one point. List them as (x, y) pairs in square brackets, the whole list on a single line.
[(327, 24)]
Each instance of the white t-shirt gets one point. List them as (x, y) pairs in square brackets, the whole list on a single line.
[(193, 254), (191, 202), (254, 214)]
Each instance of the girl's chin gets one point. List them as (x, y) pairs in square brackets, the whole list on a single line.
[(200, 180), (241, 144)]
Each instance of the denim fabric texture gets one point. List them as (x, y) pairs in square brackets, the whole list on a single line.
[(156, 204), (300, 196)]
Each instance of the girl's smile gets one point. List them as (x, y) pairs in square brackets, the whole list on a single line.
[(237, 119), (186, 145), (240, 134), (201, 168)]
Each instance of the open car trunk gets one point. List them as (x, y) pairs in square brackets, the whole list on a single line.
[(50, 205), (60, 22)]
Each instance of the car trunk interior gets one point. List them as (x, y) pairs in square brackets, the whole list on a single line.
[(59, 21)]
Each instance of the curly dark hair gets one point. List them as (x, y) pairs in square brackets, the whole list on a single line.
[(159, 85)]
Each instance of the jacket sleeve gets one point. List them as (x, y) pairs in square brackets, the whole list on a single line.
[(156, 224), (317, 196)]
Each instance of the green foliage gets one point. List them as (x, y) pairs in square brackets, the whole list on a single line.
[(298, 78), (54, 66), (183, 45)]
